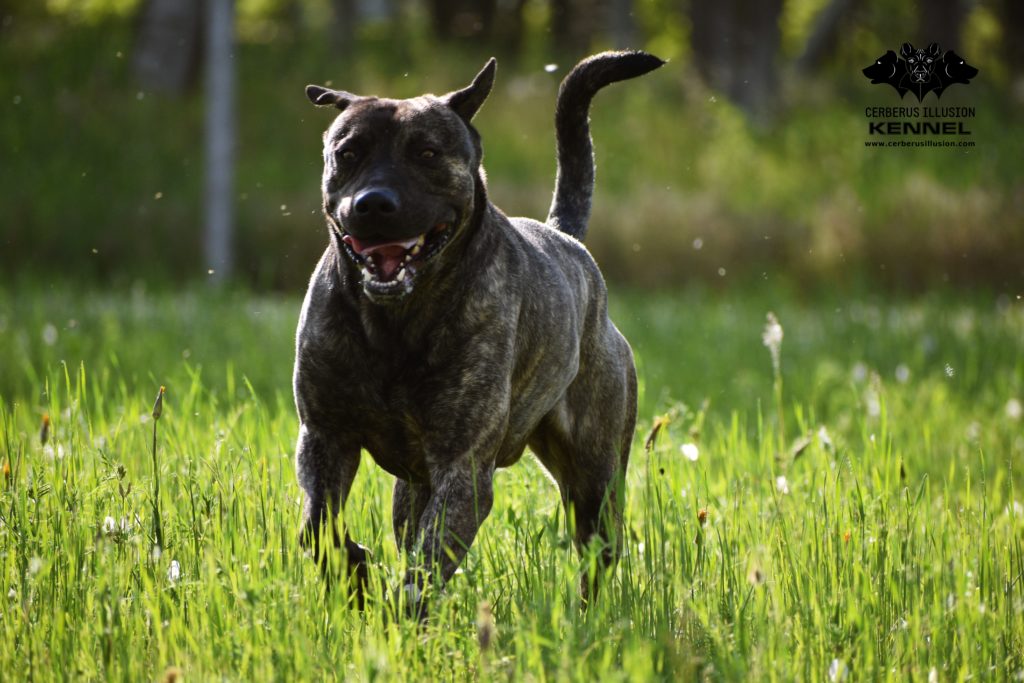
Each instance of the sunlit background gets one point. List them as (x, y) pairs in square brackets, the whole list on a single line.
[(741, 161)]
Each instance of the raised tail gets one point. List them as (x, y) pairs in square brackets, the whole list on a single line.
[(574, 184)]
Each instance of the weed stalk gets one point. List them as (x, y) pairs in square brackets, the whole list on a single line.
[(158, 532)]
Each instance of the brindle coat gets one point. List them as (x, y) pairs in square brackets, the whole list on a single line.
[(444, 337)]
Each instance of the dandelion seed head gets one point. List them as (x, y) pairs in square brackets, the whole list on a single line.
[(781, 484), (485, 627), (837, 671), (859, 373), (1014, 409), (756, 576), (772, 338), (902, 373), (824, 439), (49, 334), (690, 451), (950, 372)]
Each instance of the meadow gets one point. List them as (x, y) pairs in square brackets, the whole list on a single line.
[(855, 517)]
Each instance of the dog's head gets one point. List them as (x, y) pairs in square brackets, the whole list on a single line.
[(956, 69), (920, 63), (400, 179)]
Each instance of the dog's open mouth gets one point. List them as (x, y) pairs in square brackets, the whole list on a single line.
[(389, 267)]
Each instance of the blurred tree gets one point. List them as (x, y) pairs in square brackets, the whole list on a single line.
[(463, 19), (621, 24), (825, 34), (942, 22), (168, 45), (573, 25), (735, 46), (1011, 15), (343, 30), (218, 246)]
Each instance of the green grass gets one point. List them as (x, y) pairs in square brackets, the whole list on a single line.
[(892, 548)]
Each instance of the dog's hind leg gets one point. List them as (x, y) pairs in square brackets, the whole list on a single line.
[(326, 470), (584, 442)]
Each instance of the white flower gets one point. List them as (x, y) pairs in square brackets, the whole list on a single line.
[(1014, 409), (690, 451), (34, 565), (12, 594), (174, 571), (109, 525), (781, 484), (933, 675)]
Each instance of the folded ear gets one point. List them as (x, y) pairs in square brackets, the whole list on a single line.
[(467, 102), (323, 97)]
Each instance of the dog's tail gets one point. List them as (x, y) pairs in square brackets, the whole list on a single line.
[(574, 184)]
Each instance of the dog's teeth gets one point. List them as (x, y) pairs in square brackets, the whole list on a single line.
[(401, 274), (419, 242), (367, 275), (415, 250)]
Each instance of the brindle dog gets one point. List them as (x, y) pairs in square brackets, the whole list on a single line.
[(444, 337)]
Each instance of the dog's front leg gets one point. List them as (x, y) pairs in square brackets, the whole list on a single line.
[(326, 468), (461, 496)]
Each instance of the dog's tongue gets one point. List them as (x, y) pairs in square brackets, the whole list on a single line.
[(387, 256)]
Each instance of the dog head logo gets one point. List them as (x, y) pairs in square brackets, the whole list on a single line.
[(920, 71)]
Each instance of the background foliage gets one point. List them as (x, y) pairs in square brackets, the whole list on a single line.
[(102, 171)]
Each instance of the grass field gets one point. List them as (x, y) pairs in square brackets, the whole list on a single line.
[(875, 533)]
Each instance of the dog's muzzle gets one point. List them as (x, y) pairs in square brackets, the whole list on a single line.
[(389, 268)]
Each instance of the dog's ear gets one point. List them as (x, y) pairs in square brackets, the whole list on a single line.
[(906, 50), (323, 97), (467, 102), (933, 50)]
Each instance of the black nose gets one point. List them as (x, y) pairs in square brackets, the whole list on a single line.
[(375, 200)]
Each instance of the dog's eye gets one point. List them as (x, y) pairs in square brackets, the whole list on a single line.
[(428, 154), (347, 155)]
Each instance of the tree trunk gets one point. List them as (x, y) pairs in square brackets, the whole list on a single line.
[(735, 46), (824, 36), (220, 139), (343, 26), (168, 45), (1012, 14), (942, 22), (621, 24)]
